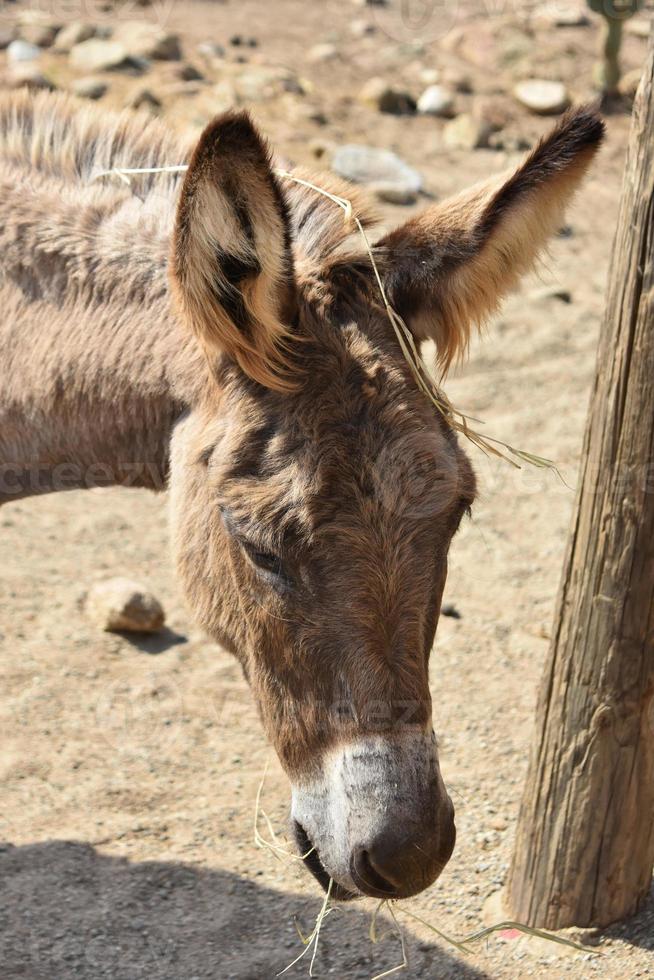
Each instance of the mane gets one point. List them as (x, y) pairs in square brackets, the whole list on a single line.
[(57, 138), (63, 138)]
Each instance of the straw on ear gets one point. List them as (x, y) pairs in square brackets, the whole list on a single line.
[(448, 269)]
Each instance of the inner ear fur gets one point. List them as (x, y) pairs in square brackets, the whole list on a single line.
[(232, 268), (448, 269)]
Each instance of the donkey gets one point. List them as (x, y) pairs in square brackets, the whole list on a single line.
[(221, 334)]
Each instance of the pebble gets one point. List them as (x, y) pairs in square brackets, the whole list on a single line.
[(436, 101), (94, 55), (542, 97), (21, 50), (118, 604), (189, 73), (382, 171), (73, 34), (144, 98), (378, 94), (210, 50), (548, 293), (322, 52), (42, 35), (362, 28), (7, 35), (144, 40), (628, 84), (466, 133), (28, 74), (639, 26), (89, 88)]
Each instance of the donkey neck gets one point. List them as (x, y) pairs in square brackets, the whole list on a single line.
[(95, 368)]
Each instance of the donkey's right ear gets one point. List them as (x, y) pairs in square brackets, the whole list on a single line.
[(232, 268)]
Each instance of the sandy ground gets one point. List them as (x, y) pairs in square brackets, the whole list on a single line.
[(128, 770)]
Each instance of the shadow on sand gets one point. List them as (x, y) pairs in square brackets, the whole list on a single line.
[(69, 913)]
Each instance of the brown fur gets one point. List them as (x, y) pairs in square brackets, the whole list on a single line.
[(314, 491)]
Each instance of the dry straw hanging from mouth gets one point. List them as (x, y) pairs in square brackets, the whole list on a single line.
[(456, 419)]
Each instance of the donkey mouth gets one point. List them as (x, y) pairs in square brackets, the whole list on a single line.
[(312, 861)]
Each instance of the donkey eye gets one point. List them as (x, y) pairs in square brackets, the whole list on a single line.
[(266, 561)]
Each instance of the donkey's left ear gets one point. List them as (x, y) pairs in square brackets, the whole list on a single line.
[(232, 269), (449, 268)]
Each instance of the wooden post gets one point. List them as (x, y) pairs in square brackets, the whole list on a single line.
[(585, 839)]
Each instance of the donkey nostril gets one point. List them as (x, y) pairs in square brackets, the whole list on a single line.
[(367, 878)]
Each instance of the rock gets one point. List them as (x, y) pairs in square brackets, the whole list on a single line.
[(94, 55), (378, 94), (73, 34), (211, 51), (144, 40), (320, 148), (21, 51), (42, 35), (542, 97), (119, 604), (382, 171), (436, 101), (628, 84), (29, 74), (430, 76), (89, 88), (562, 16), (189, 73), (322, 52), (639, 27), (144, 98), (548, 293), (36, 27), (7, 35), (466, 133), (450, 610), (362, 28), (458, 81)]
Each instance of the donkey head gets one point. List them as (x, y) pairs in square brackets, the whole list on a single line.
[(315, 490)]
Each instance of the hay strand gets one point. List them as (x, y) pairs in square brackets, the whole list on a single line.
[(456, 419)]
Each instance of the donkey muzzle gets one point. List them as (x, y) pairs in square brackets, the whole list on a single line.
[(377, 820)]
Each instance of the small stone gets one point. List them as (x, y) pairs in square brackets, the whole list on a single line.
[(7, 35), (73, 34), (639, 27), (144, 40), (40, 34), (378, 94), (628, 84), (436, 101), (320, 148), (211, 51), (20, 50), (458, 81), (144, 98), (322, 52), (466, 133), (29, 74), (450, 610), (430, 76), (561, 16), (119, 604), (382, 171), (545, 98), (89, 88), (548, 293), (94, 55), (499, 823), (362, 28), (189, 73)]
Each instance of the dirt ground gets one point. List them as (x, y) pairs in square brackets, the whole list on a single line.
[(129, 769)]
